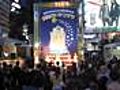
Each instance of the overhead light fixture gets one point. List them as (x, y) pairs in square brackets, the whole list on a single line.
[(27, 37), (17, 1), (13, 9), (16, 5), (25, 30)]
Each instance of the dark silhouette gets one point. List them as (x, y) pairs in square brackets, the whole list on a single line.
[(104, 14), (114, 13)]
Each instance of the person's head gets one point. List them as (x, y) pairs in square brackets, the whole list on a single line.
[(103, 80), (104, 2), (50, 64), (38, 66), (17, 63), (57, 63), (113, 1), (114, 76), (4, 64), (10, 66), (109, 66)]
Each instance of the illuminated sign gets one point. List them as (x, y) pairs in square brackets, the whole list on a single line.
[(99, 13), (61, 4), (57, 25), (58, 30)]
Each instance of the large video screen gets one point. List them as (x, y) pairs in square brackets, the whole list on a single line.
[(102, 13), (58, 28)]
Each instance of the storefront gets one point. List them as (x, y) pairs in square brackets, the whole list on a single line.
[(111, 50)]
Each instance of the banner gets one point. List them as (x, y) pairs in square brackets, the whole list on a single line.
[(58, 30)]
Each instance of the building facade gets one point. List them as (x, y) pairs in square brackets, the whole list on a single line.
[(5, 6)]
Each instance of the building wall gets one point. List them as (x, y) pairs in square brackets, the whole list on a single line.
[(4, 16)]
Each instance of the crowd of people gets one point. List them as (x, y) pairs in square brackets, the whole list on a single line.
[(88, 75)]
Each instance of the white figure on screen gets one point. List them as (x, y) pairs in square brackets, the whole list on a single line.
[(57, 40)]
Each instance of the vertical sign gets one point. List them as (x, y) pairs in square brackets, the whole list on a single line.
[(58, 31)]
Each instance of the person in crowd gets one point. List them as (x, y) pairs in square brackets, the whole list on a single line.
[(100, 76), (114, 84)]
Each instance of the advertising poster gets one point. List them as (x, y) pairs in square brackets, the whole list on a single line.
[(58, 30), (58, 33), (102, 15)]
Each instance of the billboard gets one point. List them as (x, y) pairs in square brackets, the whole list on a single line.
[(58, 29), (103, 15)]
